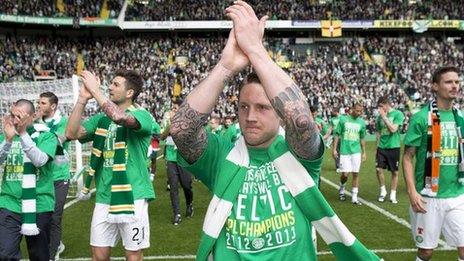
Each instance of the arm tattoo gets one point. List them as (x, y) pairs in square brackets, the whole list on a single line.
[(301, 130), (188, 132), (119, 116)]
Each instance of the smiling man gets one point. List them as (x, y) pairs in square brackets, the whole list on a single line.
[(120, 135)]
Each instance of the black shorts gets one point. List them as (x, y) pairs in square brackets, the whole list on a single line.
[(387, 159)]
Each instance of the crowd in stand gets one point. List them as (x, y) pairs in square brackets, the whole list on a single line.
[(49, 8), (165, 10), (331, 75)]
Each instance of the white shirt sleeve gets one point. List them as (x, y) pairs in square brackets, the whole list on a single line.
[(37, 157)]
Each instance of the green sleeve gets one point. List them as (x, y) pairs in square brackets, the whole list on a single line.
[(145, 120), (230, 133), (377, 124), (61, 128), (325, 128), (207, 166), (156, 129), (338, 129), (399, 119), (90, 125), (47, 143), (320, 121), (2, 138), (362, 132), (417, 127)]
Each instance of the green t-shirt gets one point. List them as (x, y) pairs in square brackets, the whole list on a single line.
[(170, 153), (323, 125), (334, 123), (416, 136), (170, 148), (217, 131), (390, 140), (350, 131), (265, 221), (137, 147), (232, 133), (155, 131), (61, 170), (10, 195)]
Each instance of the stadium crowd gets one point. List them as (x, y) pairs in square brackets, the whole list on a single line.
[(163, 10), (71, 8), (332, 75)]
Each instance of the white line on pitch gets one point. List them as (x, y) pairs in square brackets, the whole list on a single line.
[(74, 201), (381, 210), (398, 250)]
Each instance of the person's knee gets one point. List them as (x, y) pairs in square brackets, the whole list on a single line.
[(425, 254), (134, 255), (100, 253)]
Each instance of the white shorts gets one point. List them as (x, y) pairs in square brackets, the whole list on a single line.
[(350, 163), (135, 236), (443, 215)]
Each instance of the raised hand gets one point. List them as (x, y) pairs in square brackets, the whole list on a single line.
[(248, 29), (233, 58), (8, 128), (382, 112), (38, 115), (23, 120), (91, 83), (84, 93)]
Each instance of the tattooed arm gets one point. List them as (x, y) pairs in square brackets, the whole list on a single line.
[(119, 116), (417, 203), (187, 125), (301, 131), (188, 133), (187, 129)]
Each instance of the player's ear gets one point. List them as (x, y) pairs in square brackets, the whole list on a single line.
[(434, 87), (130, 93)]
